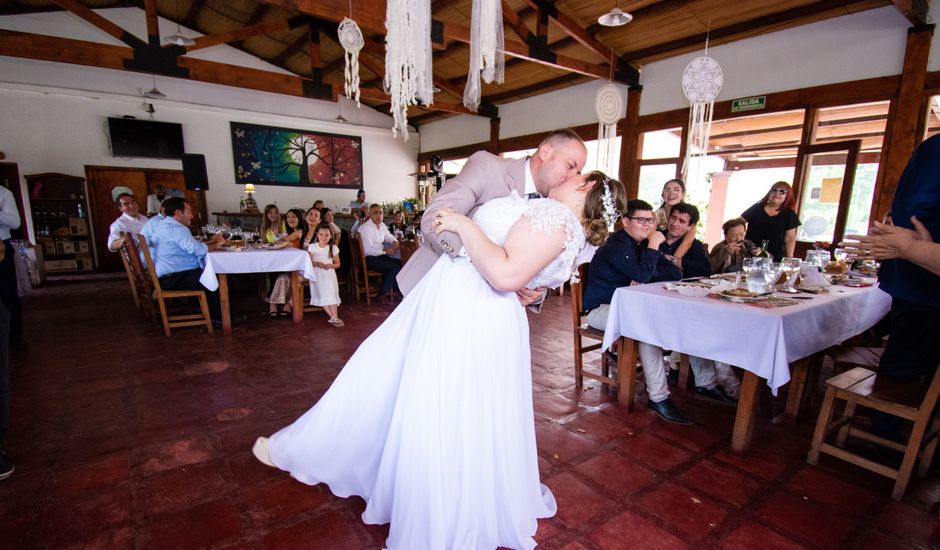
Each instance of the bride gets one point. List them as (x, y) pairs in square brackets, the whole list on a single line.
[(431, 419)]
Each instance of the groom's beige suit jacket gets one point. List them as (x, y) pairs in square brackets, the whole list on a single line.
[(484, 177)]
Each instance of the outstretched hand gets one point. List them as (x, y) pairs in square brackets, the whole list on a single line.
[(886, 241), (446, 219)]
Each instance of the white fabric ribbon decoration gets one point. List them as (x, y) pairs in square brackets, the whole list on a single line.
[(408, 77), (486, 49), (350, 38), (701, 83), (610, 108)]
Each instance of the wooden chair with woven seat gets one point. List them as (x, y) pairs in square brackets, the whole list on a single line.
[(911, 401), (582, 330), (139, 278), (175, 321), (361, 274)]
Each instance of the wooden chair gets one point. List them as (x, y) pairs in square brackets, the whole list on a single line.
[(141, 287), (174, 321), (582, 330), (361, 274), (910, 401), (132, 275)]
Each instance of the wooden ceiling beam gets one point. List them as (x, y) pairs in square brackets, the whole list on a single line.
[(515, 22), (573, 30), (153, 22), (773, 19), (190, 18), (291, 49), (100, 22), (237, 35), (371, 18), (914, 10)]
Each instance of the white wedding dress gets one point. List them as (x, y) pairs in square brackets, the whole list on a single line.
[(431, 419)]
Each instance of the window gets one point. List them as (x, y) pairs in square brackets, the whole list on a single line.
[(933, 117)]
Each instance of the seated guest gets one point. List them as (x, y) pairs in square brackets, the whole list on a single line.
[(361, 215), (398, 223), (379, 246), (130, 222), (178, 258), (682, 220), (155, 199), (280, 300), (728, 255), (327, 216), (318, 204), (272, 227)]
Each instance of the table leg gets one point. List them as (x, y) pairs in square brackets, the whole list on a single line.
[(626, 371), (744, 419), (223, 301), (298, 297)]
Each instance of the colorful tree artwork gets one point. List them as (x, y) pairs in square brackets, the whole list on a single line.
[(266, 155)]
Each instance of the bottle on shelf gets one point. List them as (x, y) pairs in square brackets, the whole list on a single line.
[(81, 213)]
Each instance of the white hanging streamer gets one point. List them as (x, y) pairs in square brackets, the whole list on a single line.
[(350, 37), (486, 49), (408, 77), (701, 83), (610, 108)]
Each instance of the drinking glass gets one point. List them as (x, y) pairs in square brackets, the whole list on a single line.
[(791, 267), (840, 254), (749, 265)]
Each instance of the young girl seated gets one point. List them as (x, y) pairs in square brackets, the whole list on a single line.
[(280, 299), (324, 292), (271, 225)]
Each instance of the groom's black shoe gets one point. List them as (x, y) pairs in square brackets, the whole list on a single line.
[(668, 412)]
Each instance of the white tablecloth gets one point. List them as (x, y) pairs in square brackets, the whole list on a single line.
[(763, 341), (255, 261)]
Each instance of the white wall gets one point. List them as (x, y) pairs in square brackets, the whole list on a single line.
[(54, 115), (852, 47)]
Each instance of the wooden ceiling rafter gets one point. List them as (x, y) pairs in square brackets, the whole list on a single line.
[(573, 30), (291, 49), (100, 22), (241, 33), (740, 27), (189, 19), (153, 22), (916, 11)]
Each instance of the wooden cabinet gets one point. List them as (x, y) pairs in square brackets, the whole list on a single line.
[(59, 211)]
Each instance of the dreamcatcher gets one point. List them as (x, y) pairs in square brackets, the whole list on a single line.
[(610, 108), (350, 38), (701, 83), (408, 77), (486, 49)]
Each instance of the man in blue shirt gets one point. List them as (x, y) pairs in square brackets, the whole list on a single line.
[(178, 258)]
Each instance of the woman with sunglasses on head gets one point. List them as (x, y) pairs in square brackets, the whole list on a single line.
[(773, 219)]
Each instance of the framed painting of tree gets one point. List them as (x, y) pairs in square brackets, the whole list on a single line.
[(267, 155)]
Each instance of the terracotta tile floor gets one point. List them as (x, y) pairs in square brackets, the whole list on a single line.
[(126, 439)]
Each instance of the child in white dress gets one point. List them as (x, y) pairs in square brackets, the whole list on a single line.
[(324, 292)]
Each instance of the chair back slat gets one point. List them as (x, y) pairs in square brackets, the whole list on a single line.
[(145, 250)]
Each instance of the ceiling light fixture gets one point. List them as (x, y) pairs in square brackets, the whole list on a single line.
[(615, 18), (154, 93), (178, 38), (339, 118)]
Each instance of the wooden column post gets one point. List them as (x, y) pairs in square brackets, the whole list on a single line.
[(901, 133), (493, 146), (630, 144)]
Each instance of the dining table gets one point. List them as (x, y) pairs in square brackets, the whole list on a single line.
[(221, 263), (763, 337)]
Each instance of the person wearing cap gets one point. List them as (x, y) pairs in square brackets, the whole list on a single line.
[(155, 199), (130, 222)]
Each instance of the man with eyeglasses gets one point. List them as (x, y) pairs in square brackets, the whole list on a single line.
[(632, 256)]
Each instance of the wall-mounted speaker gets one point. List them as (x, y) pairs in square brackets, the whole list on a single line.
[(194, 172)]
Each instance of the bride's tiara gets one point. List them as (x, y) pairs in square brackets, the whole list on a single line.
[(610, 207)]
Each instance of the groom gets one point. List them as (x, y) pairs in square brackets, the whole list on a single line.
[(485, 177)]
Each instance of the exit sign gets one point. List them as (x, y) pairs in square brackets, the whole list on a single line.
[(749, 104)]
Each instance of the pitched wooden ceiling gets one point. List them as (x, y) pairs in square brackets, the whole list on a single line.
[(551, 44)]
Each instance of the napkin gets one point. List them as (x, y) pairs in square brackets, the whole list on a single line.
[(722, 286), (810, 277)]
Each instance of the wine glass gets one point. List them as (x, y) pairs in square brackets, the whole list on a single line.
[(749, 265), (771, 271), (791, 267)]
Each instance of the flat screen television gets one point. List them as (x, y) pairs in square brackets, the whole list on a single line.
[(131, 137)]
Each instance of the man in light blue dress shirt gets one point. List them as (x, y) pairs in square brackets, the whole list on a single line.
[(177, 257)]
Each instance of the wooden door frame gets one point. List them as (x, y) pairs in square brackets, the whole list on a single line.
[(852, 148)]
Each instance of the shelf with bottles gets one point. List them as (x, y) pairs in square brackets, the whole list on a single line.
[(59, 211)]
